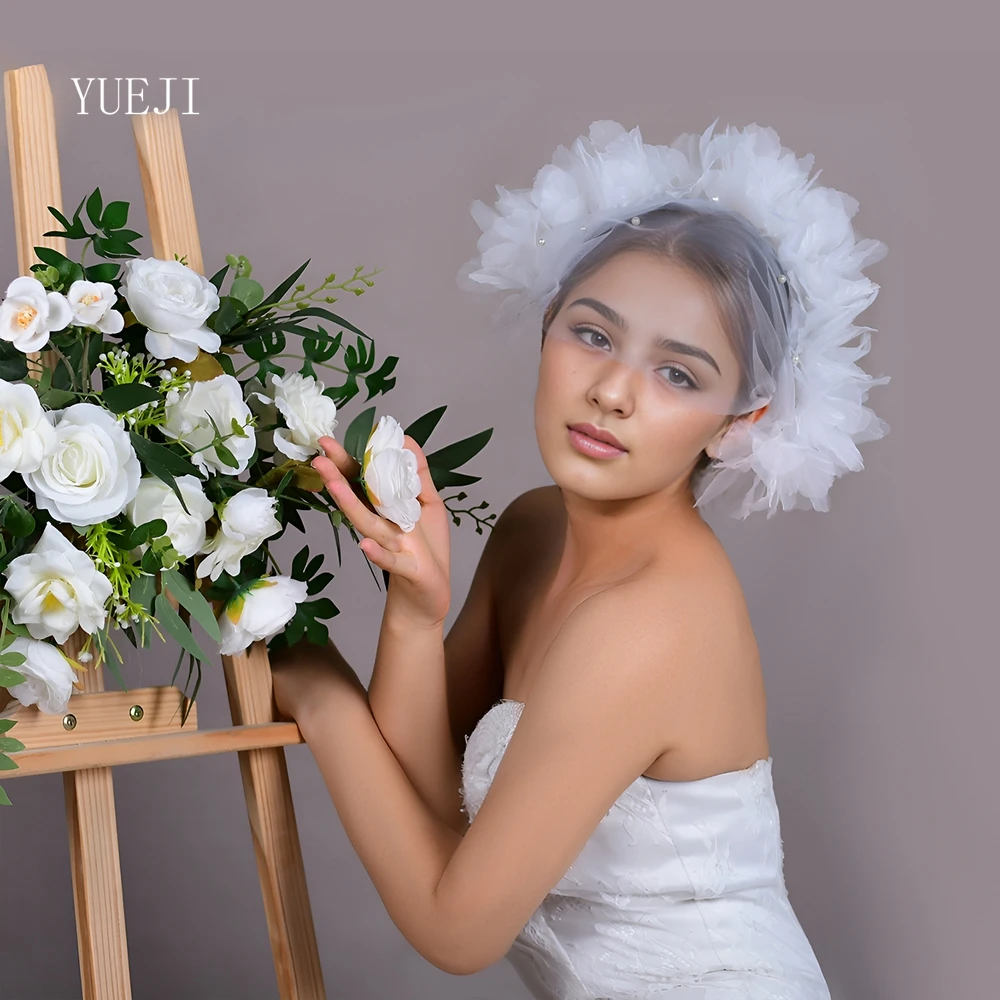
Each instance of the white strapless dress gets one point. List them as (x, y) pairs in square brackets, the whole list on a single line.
[(679, 892)]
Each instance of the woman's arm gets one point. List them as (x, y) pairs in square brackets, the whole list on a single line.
[(594, 723), (414, 676)]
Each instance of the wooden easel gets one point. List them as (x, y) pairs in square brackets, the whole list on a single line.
[(104, 728)]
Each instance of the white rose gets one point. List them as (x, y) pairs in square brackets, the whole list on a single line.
[(30, 313), (26, 433), (246, 521), (91, 302), (308, 413), (187, 420), (263, 611), (49, 676), (155, 499), (91, 471), (172, 301), (390, 476), (57, 588)]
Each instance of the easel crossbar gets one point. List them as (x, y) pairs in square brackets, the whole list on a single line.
[(166, 746)]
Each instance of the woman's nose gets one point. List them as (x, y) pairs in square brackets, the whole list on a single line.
[(615, 387)]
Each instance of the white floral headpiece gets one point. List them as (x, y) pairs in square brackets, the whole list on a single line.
[(809, 433)]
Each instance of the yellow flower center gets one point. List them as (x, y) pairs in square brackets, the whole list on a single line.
[(50, 602), (90, 298), (25, 316)]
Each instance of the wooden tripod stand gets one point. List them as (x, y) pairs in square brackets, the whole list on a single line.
[(103, 728)]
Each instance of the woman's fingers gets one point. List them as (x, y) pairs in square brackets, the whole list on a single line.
[(428, 492), (346, 463), (364, 520)]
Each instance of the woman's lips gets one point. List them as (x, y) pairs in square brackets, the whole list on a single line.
[(590, 446)]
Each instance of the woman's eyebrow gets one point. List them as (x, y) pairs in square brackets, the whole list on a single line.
[(666, 343)]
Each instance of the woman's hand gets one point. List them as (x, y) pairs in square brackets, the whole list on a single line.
[(418, 560)]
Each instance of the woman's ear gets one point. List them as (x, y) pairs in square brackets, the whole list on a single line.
[(712, 448)]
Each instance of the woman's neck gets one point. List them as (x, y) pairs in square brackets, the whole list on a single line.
[(610, 540)]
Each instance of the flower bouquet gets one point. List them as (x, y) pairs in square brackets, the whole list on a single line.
[(157, 446)]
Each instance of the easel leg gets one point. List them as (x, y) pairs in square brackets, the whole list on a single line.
[(275, 834), (97, 884), (96, 868)]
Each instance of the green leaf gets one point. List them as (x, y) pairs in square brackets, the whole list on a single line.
[(12, 659), (421, 428), (194, 601), (358, 432), (228, 315), (445, 478), (107, 271), (19, 521), (94, 206), (51, 257), (7, 724), (248, 291), (109, 246), (13, 365), (279, 292), (7, 764), (151, 562), (4, 798), (299, 563), (143, 591), (8, 677), (121, 398), (174, 624), (225, 456), (460, 452), (145, 531), (219, 277), (163, 463), (56, 399), (115, 215), (8, 744)]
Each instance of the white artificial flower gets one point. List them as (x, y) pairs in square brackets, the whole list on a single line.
[(189, 416), (172, 301), (264, 410), (26, 433), (90, 472), (246, 521), (92, 302), (390, 476), (261, 612), (30, 313), (309, 414), (49, 676), (155, 499), (57, 588)]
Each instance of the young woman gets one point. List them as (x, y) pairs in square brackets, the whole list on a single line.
[(578, 776)]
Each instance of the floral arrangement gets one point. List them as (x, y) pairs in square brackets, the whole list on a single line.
[(159, 444)]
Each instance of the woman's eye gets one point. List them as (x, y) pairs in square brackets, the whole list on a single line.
[(687, 383), (584, 331)]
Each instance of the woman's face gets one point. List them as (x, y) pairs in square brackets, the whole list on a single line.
[(601, 364)]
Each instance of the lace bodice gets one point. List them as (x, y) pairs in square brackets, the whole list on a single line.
[(679, 892)]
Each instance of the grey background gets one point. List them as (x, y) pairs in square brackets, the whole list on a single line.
[(362, 134)]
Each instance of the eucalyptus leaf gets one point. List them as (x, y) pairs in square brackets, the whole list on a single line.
[(248, 291), (175, 626), (193, 601)]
